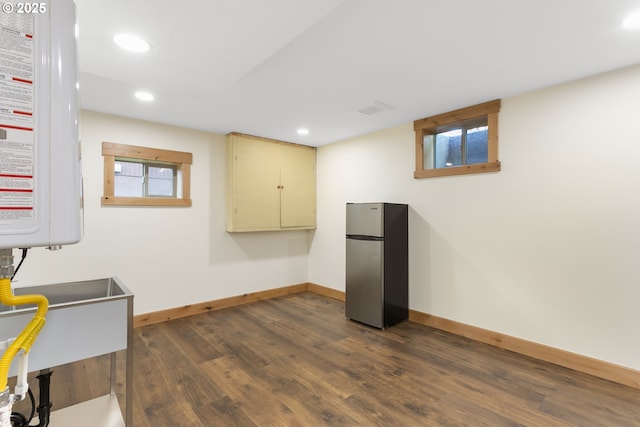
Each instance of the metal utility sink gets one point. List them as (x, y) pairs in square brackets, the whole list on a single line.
[(63, 294), (85, 319)]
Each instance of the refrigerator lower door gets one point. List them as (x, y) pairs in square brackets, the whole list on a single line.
[(364, 282)]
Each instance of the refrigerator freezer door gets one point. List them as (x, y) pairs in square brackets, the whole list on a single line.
[(364, 287), (365, 219)]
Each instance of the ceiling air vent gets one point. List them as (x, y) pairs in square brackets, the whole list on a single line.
[(376, 107)]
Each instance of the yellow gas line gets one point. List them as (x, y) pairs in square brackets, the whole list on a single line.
[(25, 340)]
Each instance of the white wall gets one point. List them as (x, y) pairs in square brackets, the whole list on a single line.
[(168, 257), (545, 250)]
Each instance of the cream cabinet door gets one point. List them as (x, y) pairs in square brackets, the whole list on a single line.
[(256, 180), (298, 188)]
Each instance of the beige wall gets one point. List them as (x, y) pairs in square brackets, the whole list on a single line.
[(545, 250), (168, 257)]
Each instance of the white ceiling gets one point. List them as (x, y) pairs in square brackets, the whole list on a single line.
[(268, 67)]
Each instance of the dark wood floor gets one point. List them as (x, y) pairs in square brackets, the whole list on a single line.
[(296, 361)]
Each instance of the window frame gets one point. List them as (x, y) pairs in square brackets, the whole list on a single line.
[(175, 178), (447, 121), (181, 160)]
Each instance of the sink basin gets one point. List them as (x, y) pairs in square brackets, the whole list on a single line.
[(64, 294), (85, 319)]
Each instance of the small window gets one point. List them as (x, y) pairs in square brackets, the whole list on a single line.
[(460, 142), (140, 176), (142, 179)]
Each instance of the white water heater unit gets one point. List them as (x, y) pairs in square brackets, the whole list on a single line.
[(40, 175)]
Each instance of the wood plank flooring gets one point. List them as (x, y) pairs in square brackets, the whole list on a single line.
[(296, 361)]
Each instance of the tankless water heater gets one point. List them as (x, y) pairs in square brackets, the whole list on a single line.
[(40, 175)]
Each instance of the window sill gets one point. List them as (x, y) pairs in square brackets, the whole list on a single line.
[(458, 170), (143, 201)]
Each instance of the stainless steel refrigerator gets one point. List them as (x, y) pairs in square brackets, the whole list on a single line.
[(377, 263)]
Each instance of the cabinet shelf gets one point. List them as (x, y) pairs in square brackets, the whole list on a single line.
[(103, 411)]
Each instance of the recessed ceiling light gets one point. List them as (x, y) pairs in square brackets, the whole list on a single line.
[(303, 131), (131, 42), (144, 96), (632, 21)]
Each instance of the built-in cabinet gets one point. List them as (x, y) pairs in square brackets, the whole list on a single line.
[(271, 185)]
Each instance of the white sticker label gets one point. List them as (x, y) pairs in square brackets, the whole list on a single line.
[(17, 133)]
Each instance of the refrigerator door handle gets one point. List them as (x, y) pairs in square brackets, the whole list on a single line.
[(361, 237)]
